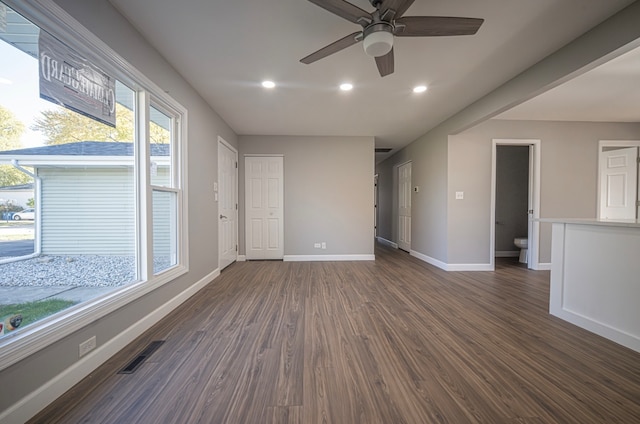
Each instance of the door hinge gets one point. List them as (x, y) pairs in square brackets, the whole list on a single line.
[(236, 206), (236, 247), (236, 165)]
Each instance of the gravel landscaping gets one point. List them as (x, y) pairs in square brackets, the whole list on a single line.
[(74, 271)]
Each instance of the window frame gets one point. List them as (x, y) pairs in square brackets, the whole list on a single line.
[(50, 17)]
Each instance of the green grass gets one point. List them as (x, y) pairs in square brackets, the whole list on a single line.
[(33, 311)]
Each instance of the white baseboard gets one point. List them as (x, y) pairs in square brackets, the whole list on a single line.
[(470, 267), (428, 259), (241, 258), (542, 266), (327, 258), (451, 267), (387, 242), (507, 253), (50, 391)]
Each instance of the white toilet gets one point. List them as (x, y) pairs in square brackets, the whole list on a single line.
[(522, 243)]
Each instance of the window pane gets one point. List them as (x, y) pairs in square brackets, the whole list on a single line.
[(83, 196), (164, 230), (160, 136)]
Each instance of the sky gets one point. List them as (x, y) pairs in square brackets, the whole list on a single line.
[(19, 90)]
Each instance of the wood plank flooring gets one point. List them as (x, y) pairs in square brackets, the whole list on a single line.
[(392, 341)]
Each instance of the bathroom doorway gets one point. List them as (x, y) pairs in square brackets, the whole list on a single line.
[(515, 197)]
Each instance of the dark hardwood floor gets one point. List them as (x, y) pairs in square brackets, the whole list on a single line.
[(391, 341)]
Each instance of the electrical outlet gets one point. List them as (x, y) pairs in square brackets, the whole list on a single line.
[(86, 346), (316, 245), (324, 245)]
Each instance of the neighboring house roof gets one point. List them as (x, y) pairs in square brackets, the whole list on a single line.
[(87, 148), (18, 187), (94, 153)]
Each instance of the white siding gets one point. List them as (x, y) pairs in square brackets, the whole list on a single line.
[(87, 211), (163, 206)]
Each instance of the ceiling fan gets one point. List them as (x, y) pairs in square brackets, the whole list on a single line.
[(379, 27)]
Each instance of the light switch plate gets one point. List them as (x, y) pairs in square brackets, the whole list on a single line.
[(459, 195)]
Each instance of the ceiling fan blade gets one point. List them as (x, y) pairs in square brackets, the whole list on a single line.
[(398, 6), (334, 47), (385, 64), (345, 10), (434, 26)]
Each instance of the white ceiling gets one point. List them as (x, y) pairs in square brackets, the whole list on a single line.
[(226, 48), (608, 93)]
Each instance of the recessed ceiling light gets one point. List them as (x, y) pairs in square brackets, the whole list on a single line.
[(420, 89), (5, 81), (346, 86), (268, 84)]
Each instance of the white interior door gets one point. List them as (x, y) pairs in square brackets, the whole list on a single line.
[(227, 192), (264, 207), (619, 183), (404, 206)]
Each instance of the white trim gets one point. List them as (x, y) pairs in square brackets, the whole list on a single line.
[(534, 188), (543, 266), (507, 253), (470, 267), (451, 267), (30, 405), (328, 258), (428, 259), (241, 258), (387, 242)]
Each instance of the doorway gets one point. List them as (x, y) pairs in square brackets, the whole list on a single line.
[(226, 193), (507, 218), (264, 207), (618, 184), (404, 206)]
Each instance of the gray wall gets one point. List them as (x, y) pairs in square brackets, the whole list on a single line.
[(428, 156), (444, 234), (204, 127), (328, 192), (568, 184), (512, 200)]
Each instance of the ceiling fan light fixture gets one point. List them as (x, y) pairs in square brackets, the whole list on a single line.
[(378, 43)]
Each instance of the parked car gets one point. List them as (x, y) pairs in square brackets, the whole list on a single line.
[(24, 214)]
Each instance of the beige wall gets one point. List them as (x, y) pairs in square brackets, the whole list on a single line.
[(569, 154), (328, 192)]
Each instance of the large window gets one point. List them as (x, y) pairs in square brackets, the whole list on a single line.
[(90, 189)]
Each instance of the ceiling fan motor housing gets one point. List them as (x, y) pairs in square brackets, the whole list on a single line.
[(378, 39)]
